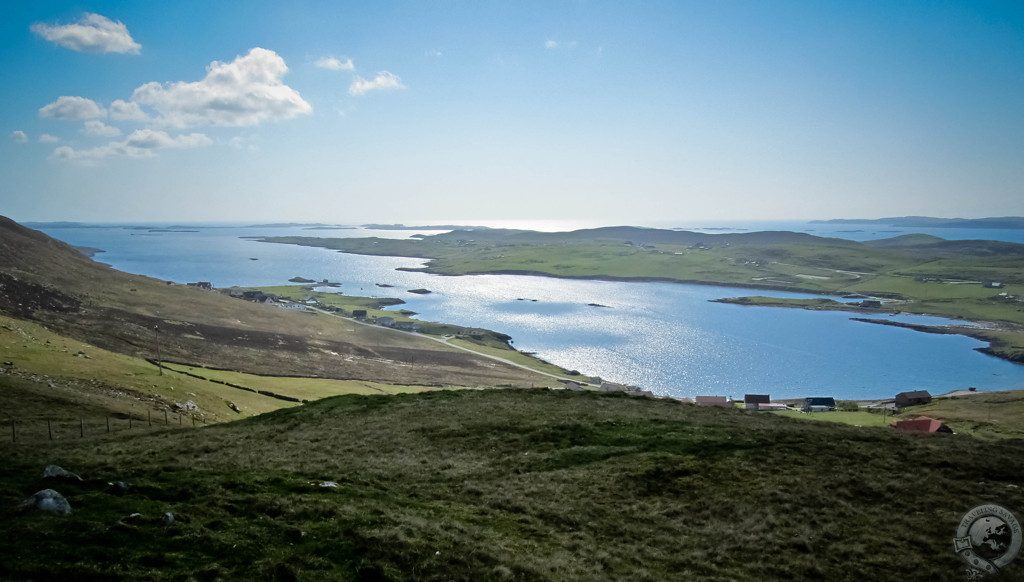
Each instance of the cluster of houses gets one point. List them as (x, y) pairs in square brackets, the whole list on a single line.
[(763, 402)]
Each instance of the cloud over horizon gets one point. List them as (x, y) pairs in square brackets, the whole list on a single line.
[(244, 92), (97, 128), (335, 64), (18, 136), (72, 108), (122, 110), (383, 81), (92, 33), (141, 143)]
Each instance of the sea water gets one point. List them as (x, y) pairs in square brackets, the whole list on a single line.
[(666, 337)]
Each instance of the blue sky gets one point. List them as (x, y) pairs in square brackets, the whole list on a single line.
[(614, 112)]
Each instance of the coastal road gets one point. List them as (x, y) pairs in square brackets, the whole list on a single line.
[(451, 345)]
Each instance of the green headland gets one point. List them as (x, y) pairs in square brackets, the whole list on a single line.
[(977, 281)]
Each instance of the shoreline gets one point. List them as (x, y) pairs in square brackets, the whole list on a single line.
[(989, 350)]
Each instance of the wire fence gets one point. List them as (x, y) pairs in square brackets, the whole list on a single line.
[(41, 428)]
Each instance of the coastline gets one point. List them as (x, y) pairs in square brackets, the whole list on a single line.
[(994, 348)]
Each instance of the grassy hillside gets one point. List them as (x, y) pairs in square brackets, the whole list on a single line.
[(508, 484), (52, 284)]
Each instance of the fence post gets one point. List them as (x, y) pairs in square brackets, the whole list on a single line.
[(108, 424), (179, 419), (165, 416), (129, 420), (14, 432), (81, 427), (49, 430), (193, 421), (149, 417)]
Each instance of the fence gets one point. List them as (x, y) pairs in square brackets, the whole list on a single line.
[(35, 429)]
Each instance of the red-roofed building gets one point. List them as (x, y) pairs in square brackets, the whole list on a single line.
[(921, 424)]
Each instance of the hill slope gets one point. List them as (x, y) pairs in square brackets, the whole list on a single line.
[(49, 282), (509, 484)]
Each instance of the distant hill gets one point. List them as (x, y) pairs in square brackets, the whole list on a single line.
[(1003, 222), (642, 235)]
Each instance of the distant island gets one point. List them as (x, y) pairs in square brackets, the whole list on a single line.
[(288, 224), (422, 227), (1001, 222)]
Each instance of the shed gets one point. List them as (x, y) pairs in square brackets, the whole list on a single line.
[(712, 401), (359, 313), (912, 398), (871, 303), (921, 424)]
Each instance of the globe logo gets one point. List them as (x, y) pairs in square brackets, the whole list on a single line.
[(988, 538)]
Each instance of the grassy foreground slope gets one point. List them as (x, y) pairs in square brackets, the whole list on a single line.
[(509, 484), (48, 282), (925, 274)]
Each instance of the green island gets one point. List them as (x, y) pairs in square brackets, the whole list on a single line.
[(977, 281), (221, 438)]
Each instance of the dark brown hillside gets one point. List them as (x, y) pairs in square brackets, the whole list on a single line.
[(50, 282)]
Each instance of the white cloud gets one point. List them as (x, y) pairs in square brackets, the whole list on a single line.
[(555, 44), (97, 128), (142, 143), (47, 138), (122, 110), (246, 91), (335, 64), (92, 33), (383, 81), (18, 136), (75, 108)]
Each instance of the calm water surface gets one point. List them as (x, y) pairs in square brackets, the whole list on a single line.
[(663, 336)]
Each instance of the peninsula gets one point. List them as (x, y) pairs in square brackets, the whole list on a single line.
[(973, 280)]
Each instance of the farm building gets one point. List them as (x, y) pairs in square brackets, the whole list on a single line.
[(921, 424), (712, 401), (819, 404), (752, 401), (359, 313), (913, 398)]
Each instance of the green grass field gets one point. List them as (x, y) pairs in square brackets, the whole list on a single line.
[(503, 484), (303, 388)]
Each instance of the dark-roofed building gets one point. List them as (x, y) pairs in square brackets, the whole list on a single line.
[(913, 398), (359, 313), (819, 404), (751, 401)]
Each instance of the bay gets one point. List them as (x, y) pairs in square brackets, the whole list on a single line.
[(662, 336)]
